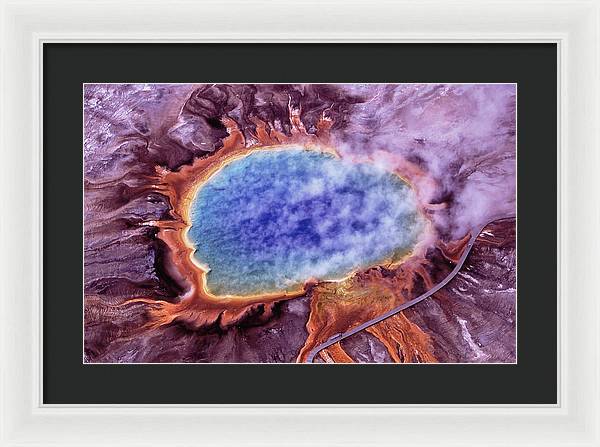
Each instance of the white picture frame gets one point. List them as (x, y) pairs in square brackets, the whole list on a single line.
[(573, 25)]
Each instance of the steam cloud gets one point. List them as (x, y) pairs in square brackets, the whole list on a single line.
[(463, 135)]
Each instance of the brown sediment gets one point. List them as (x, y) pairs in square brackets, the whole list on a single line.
[(405, 341), (337, 308), (453, 250), (358, 297), (335, 354)]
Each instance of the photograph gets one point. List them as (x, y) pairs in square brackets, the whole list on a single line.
[(299, 223)]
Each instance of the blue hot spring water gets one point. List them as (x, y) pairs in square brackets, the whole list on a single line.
[(273, 219)]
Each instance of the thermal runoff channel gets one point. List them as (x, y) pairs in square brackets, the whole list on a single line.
[(274, 219)]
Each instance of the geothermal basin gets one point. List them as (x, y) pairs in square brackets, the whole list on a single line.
[(272, 220)]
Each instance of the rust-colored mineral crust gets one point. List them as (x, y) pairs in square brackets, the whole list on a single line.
[(337, 308)]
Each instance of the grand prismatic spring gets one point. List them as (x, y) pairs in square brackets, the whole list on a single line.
[(274, 219), (255, 222)]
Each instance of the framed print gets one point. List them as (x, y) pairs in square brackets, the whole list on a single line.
[(318, 228)]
